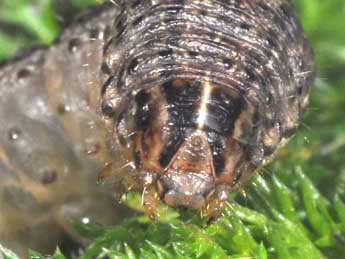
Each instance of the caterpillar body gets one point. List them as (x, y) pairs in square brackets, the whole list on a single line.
[(181, 99)]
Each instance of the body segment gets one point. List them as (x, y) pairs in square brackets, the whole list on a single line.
[(52, 142)]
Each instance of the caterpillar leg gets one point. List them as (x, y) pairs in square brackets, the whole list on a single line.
[(215, 203), (149, 201)]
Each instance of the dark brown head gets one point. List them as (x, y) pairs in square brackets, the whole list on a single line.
[(184, 138)]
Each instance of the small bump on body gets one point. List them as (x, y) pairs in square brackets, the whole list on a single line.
[(14, 133), (48, 177), (74, 45)]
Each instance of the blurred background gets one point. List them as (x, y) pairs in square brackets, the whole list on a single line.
[(317, 150)]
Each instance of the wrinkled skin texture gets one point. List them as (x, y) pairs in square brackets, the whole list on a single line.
[(182, 100), (52, 142), (199, 94)]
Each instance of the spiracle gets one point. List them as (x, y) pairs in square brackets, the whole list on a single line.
[(179, 99)]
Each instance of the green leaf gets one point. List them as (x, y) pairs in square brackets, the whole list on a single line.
[(35, 255), (7, 254)]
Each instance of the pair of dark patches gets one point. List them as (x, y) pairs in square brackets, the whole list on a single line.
[(184, 102)]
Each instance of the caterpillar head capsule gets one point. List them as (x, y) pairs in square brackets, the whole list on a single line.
[(186, 141)]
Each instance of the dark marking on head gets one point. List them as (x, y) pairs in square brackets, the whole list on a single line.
[(183, 101), (218, 148), (176, 140), (145, 112), (222, 112)]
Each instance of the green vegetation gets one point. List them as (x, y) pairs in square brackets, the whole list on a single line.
[(294, 209)]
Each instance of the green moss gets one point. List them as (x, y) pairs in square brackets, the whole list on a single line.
[(294, 209)]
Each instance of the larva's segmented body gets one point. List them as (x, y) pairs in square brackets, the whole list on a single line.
[(195, 95), (52, 140), (200, 93)]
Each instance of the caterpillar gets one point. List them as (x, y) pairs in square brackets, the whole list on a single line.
[(179, 99)]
